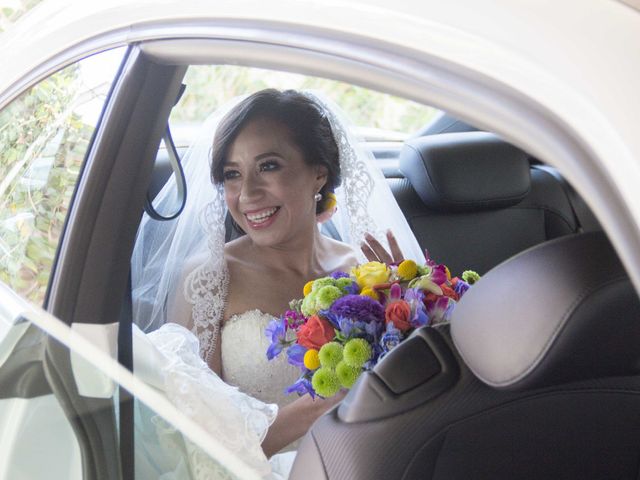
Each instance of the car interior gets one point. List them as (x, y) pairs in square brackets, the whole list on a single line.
[(529, 381), (536, 376)]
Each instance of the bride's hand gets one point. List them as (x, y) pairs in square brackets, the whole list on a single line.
[(375, 252), (294, 420)]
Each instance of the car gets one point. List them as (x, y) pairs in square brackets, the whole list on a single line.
[(98, 81)]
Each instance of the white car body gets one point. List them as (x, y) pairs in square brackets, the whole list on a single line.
[(574, 64), (559, 79)]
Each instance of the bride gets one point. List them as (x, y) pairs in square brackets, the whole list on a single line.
[(277, 159)]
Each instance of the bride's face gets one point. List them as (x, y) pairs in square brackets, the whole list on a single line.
[(269, 188)]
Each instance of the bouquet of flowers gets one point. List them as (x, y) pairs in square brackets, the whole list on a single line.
[(347, 322)]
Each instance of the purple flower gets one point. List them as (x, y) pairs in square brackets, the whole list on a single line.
[(413, 295), (439, 310), (339, 274), (351, 328), (438, 274), (373, 329), (395, 292), (333, 319), (276, 331), (420, 319), (461, 287), (358, 307), (301, 386), (293, 319), (295, 355)]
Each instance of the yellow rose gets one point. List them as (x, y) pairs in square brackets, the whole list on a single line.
[(307, 288), (370, 274)]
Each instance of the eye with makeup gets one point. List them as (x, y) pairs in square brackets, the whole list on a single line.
[(269, 165), (230, 174)]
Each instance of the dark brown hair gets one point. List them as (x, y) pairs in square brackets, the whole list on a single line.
[(305, 119)]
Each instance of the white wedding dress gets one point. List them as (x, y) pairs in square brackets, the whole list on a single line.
[(169, 359), (243, 346)]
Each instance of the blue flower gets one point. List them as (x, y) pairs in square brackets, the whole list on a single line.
[(295, 355), (373, 329), (351, 328), (413, 295), (461, 287), (301, 386), (352, 289), (390, 338), (276, 332), (420, 319), (339, 274), (334, 320)]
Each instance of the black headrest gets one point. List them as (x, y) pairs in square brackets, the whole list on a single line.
[(465, 171), (561, 311)]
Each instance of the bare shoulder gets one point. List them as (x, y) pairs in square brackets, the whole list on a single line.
[(237, 252)]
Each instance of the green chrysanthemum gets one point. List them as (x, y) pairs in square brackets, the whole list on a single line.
[(326, 296), (347, 375), (325, 382), (308, 306), (356, 352), (470, 276), (330, 354), (322, 282)]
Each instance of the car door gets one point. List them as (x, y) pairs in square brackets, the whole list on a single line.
[(73, 148)]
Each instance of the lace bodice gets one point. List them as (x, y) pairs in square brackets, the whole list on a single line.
[(244, 359)]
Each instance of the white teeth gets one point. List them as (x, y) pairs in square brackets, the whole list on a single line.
[(262, 216)]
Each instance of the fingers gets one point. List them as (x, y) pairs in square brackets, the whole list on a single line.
[(368, 253), (396, 253), (375, 252)]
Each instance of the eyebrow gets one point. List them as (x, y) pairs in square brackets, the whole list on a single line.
[(257, 158)]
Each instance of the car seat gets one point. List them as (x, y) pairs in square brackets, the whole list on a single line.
[(537, 376), (473, 200)]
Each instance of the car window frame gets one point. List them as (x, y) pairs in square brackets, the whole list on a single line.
[(460, 92)]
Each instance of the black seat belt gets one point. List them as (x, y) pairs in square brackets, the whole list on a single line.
[(125, 358)]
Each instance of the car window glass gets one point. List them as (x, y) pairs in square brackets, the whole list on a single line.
[(55, 404), (44, 136), (378, 116)]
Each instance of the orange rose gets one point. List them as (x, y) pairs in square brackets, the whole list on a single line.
[(315, 332), (398, 312), (449, 292)]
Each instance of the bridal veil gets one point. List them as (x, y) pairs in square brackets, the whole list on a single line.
[(185, 256)]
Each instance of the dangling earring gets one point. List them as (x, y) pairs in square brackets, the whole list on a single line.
[(317, 197)]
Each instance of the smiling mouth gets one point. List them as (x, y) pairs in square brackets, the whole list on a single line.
[(262, 216)]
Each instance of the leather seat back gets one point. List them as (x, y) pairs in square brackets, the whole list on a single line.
[(473, 200)]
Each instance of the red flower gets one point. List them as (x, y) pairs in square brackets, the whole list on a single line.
[(398, 312), (449, 292), (315, 332)]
